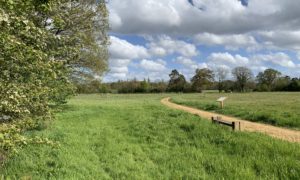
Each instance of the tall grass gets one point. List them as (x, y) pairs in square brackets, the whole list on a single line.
[(135, 137), (279, 109)]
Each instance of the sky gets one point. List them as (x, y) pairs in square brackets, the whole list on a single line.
[(149, 38)]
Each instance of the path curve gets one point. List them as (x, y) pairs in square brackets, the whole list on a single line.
[(277, 132)]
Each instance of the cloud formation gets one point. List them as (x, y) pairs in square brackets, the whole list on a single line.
[(165, 45), (230, 42), (217, 17), (191, 34), (122, 53), (153, 66)]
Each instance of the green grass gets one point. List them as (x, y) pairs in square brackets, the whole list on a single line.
[(135, 137), (279, 108)]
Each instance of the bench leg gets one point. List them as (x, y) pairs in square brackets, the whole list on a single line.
[(234, 125)]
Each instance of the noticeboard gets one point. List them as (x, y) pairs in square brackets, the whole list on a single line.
[(221, 99)]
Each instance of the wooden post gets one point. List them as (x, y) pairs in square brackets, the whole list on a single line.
[(233, 125), (240, 126), (213, 119), (221, 101)]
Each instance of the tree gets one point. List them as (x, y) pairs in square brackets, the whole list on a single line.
[(282, 83), (203, 78), (294, 85), (229, 85), (41, 44), (159, 87), (221, 74), (27, 74), (267, 79), (81, 25), (177, 82), (145, 85), (242, 76)]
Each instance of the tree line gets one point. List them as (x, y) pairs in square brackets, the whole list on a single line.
[(241, 80)]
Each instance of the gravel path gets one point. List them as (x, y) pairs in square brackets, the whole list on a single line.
[(277, 132)]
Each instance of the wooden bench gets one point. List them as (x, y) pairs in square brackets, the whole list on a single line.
[(235, 125)]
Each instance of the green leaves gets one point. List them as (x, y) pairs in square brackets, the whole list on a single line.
[(41, 44), (31, 76)]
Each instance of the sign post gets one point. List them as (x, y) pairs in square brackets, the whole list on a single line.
[(221, 101)]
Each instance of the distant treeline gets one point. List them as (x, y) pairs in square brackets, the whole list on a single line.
[(242, 80)]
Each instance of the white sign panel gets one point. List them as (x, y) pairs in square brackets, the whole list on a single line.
[(221, 99)]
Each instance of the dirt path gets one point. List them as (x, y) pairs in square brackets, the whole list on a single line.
[(277, 132)]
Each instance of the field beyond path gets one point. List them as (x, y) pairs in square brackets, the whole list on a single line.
[(277, 132)]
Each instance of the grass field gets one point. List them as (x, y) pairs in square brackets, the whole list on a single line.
[(135, 137), (280, 109)]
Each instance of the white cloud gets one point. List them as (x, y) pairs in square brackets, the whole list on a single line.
[(154, 66), (158, 51), (256, 62), (144, 15), (173, 28), (164, 45), (114, 19), (275, 23), (298, 55), (227, 59), (119, 62), (281, 39), (162, 62), (122, 53), (119, 70), (190, 64), (122, 49), (218, 17), (279, 58), (231, 42), (185, 61)]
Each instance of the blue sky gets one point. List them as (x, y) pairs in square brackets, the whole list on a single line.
[(149, 38)]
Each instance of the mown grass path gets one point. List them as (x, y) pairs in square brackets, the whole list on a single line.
[(277, 132)]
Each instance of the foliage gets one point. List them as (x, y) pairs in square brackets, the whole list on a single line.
[(221, 75), (133, 86), (294, 85), (93, 86), (267, 79), (177, 82), (82, 25), (202, 79), (30, 77), (43, 44), (11, 137), (242, 76), (146, 140)]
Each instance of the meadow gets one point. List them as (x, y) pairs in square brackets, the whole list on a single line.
[(275, 108), (136, 137)]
